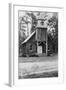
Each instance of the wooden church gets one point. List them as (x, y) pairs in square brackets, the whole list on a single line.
[(36, 43)]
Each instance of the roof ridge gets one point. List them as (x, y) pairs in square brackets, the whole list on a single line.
[(28, 37)]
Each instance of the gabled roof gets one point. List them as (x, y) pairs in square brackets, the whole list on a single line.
[(28, 37)]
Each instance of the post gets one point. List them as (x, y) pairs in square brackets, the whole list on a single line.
[(46, 44), (37, 40), (37, 46)]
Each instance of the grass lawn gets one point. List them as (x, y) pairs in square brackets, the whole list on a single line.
[(38, 67), (37, 59)]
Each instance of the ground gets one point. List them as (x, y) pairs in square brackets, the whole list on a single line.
[(38, 67)]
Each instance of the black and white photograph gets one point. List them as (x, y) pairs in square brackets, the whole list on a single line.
[(37, 44), (33, 45)]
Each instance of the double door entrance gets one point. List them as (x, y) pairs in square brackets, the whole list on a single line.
[(41, 47)]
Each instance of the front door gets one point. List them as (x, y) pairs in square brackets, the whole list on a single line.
[(39, 49)]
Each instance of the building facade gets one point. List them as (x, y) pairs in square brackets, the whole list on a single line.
[(36, 42)]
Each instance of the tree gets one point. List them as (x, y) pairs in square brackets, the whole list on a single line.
[(34, 20), (22, 36), (53, 36)]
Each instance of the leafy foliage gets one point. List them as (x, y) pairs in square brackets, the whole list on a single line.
[(34, 21), (53, 38)]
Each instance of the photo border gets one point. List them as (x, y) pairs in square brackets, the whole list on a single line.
[(14, 70)]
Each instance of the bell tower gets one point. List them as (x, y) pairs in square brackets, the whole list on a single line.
[(41, 34)]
